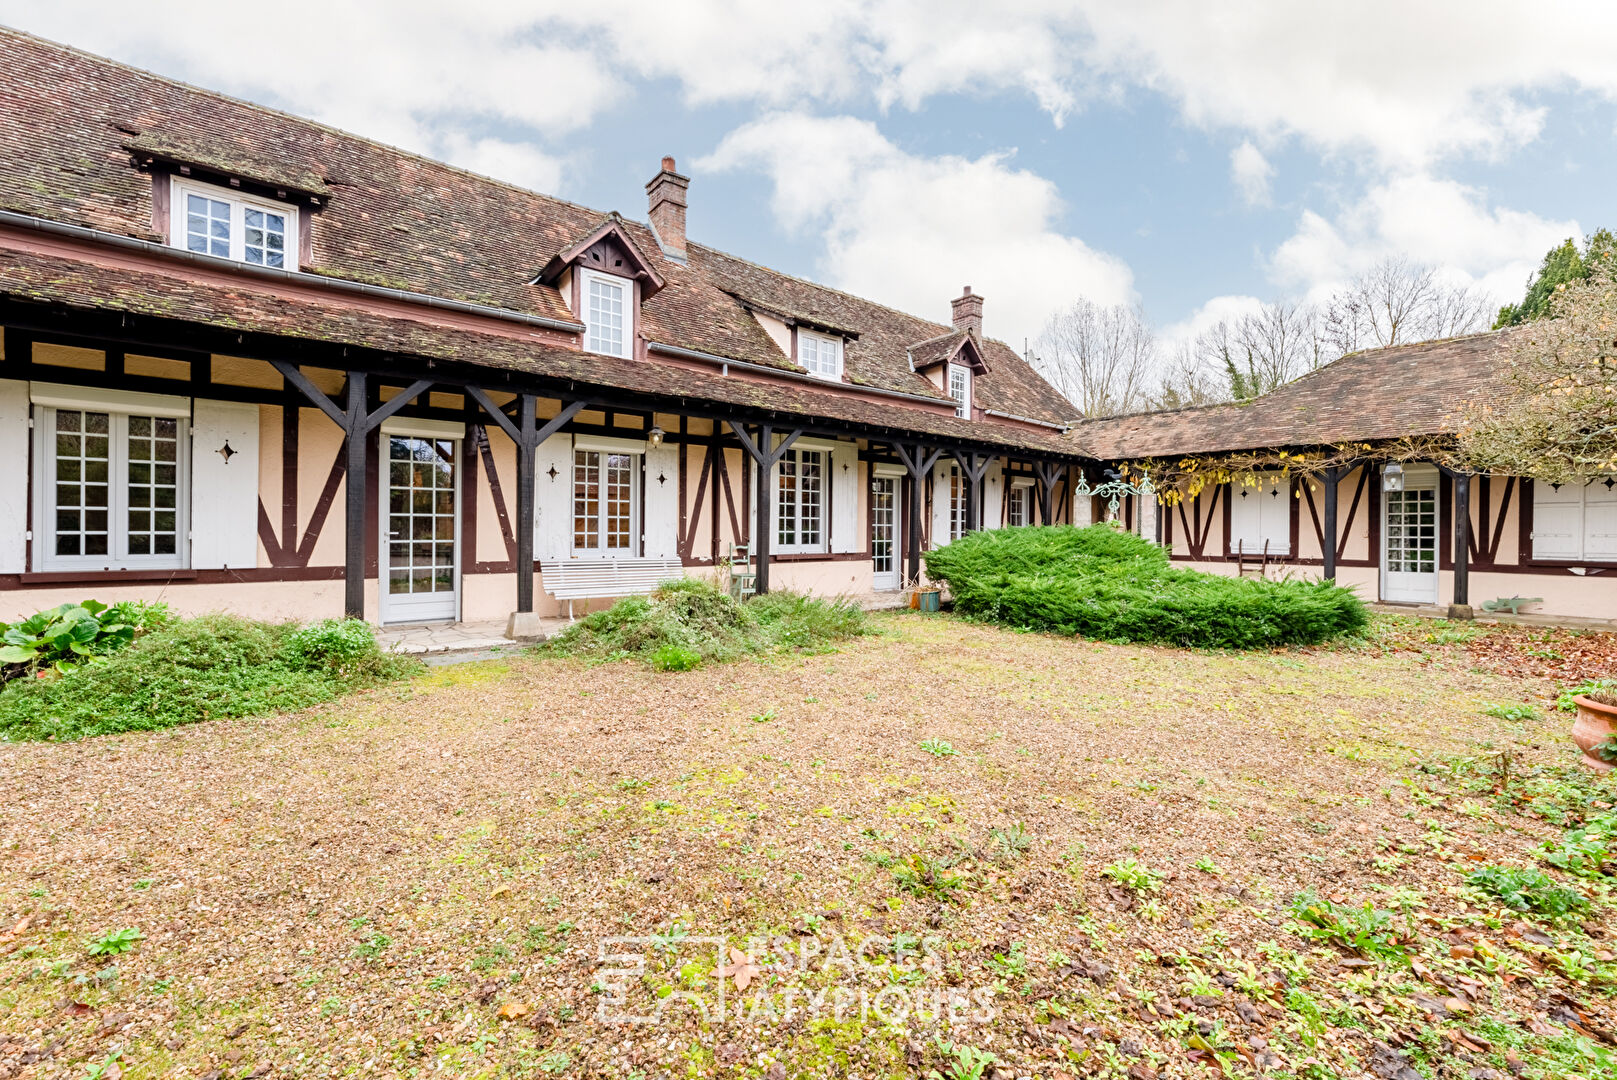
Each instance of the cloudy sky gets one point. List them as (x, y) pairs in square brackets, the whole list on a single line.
[(1189, 157)]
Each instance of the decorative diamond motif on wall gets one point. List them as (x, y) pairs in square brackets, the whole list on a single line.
[(227, 451)]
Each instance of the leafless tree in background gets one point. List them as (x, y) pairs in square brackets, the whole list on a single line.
[(1100, 358), (1397, 302), (1106, 360)]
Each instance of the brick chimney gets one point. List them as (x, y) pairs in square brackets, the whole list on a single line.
[(968, 313), (667, 194)]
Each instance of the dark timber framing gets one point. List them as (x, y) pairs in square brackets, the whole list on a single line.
[(357, 423), (367, 372), (918, 459), (765, 459), (527, 434)]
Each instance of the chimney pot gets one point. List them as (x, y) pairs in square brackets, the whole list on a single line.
[(666, 194), (968, 313)]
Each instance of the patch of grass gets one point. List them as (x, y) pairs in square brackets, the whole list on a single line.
[(929, 877), (1133, 874), (1367, 930), (1512, 712), (687, 622), (1113, 586), (1587, 851), (1528, 890), (210, 668), (938, 748), (116, 943)]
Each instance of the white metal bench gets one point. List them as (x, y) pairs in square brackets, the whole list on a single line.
[(588, 579)]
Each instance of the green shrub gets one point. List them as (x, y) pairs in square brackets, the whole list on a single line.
[(1113, 586), (675, 658), (335, 645), (213, 667), (1530, 890), (1367, 929), (687, 621), (1587, 851)]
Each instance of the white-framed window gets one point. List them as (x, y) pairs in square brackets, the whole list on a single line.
[(608, 304), (604, 504), (219, 221), (800, 503), (1016, 506), (957, 503), (1260, 516), (112, 485), (960, 388), (820, 354), (1576, 521)]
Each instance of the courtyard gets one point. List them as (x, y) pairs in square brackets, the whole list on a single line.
[(945, 847)]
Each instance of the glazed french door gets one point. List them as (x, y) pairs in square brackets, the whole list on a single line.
[(420, 530), (884, 543), (1409, 536)]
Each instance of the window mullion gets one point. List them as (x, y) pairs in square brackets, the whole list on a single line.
[(118, 490)]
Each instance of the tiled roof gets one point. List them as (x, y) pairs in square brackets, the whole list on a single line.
[(1367, 396), (253, 306), (68, 120), (937, 350)]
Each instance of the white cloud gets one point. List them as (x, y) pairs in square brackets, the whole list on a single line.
[(1407, 82), (1430, 220), (1251, 172), (1227, 309), (909, 231), (420, 75)]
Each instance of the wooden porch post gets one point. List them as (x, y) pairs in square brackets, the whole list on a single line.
[(765, 459), (354, 438), (525, 432), (974, 467), (1460, 608), (1333, 476), (919, 464), (1048, 474), (357, 424)]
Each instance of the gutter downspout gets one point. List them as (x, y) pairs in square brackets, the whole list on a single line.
[(147, 247)]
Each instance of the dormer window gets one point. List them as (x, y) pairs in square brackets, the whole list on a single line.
[(606, 313), (820, 354), (960, 389), (226, 224)]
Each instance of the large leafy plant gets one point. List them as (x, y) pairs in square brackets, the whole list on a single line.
[(69, 635)]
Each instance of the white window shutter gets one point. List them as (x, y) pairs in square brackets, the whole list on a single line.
[(1600, 522), (1259, 514), (1557, 522), (13, 480), (993, 496), (1275, 514), (224, 487), (661, 526), (940, 504), (844, 471), (553, 498)]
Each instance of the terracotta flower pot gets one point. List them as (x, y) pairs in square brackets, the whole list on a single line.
[(1596, 723)]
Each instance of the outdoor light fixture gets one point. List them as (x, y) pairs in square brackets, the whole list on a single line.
[(655, 436), (1392, 477)]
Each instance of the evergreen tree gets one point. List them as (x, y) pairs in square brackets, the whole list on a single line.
[(1562, 264)]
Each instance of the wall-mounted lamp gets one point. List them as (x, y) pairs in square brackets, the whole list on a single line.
[(1392, 477), (655, 436)]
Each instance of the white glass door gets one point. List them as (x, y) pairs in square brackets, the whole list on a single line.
[(420, 533), (1409, 530), (884, 531)]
